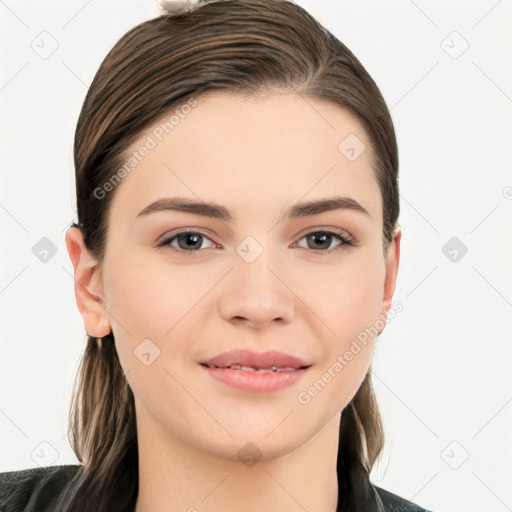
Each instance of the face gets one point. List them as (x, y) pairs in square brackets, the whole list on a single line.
[(179, 287)]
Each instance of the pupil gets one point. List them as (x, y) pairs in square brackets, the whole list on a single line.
[(189, 237), (323, 236)]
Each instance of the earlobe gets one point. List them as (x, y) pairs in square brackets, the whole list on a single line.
[(392, 263), (96, 325), (88, 285)]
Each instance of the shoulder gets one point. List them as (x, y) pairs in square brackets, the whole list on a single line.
[(34, 488), (395, 503)]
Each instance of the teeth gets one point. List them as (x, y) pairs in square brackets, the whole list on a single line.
[(244, 368), (262, 370)]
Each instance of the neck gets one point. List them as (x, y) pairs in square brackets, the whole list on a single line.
[(174, 476)]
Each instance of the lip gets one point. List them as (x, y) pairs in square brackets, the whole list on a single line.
[(256, 360), (254, 381)]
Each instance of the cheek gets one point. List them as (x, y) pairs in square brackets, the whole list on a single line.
[(151, 295), (359, 304), (145, 300), (350, 310), (348, 298), (149, 299)]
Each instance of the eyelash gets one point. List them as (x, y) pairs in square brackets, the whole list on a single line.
[(345, 239)]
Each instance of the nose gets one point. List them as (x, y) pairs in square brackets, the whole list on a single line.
[(257, 294)]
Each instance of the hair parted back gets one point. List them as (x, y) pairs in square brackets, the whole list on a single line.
[(253, 47)]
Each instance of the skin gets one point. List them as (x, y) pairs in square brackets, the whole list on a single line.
[(256, 158)]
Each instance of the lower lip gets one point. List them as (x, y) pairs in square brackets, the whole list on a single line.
[(255, 382)]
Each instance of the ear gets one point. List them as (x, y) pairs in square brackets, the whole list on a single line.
[(392, 261), (88, 285)]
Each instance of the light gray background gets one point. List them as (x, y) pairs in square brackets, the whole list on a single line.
[(442, 366)]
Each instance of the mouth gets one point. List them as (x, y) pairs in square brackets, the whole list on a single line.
[(259, 370), (266, 362), (252, 380), (256, 373)]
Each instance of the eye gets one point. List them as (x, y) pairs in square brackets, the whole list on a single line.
[(321, 240), (186, 241)]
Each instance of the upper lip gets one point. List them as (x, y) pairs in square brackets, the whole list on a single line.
[(256, 360)]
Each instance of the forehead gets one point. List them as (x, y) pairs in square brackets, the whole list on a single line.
[(255, 153)]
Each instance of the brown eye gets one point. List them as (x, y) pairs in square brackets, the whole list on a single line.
[(186, 241), (322, 240)]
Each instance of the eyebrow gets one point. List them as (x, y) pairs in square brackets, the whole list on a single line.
[(217, 211)]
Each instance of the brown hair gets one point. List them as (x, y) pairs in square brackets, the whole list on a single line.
[(256, 48)]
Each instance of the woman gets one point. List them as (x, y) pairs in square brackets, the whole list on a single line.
[(235, 259)]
